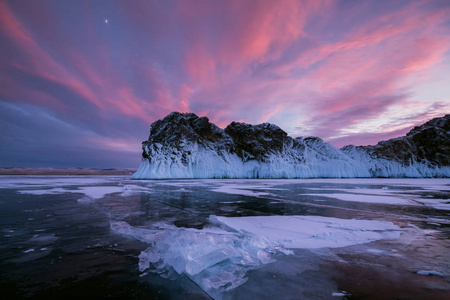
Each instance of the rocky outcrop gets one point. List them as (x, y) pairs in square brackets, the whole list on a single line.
[(256, 141), (428, 143), (188, 146), (426, 146)]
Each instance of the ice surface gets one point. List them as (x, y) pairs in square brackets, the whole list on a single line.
[(393, 191), (228, 251), (218, 258)]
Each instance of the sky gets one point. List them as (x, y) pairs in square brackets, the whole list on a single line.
[(81, 81)]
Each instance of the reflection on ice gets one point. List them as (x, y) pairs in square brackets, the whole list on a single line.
[(218, 258)]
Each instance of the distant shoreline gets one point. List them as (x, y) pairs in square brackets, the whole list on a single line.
[(64, 171)]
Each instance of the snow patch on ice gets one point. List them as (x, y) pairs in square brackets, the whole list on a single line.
[(98, 192), (244, 190), (43, 239), (340, 294), (50, 181), (443, 204), (90, 192), (85, 200), (45, 191), (312, 231), (376, 251), (367, 198), (396, 194)]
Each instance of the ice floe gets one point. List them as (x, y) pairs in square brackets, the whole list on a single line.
[(217, 258)]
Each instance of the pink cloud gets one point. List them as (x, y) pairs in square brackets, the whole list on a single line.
[(250, 32)]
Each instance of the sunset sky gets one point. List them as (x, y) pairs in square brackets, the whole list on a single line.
[(81, 81)]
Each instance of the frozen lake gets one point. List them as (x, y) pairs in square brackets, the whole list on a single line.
[(102, 237)]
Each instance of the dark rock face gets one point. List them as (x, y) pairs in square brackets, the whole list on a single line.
[(177, 128), (429, 142), (256, 141), (247, 141)]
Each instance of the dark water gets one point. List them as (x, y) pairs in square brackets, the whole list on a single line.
[(57, 242)]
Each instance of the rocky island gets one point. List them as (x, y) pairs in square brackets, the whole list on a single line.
[(183, 145)]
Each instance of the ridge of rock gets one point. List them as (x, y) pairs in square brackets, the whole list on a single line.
[(428, 143)]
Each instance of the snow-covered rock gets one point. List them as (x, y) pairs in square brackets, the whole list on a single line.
[(188, 146)]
